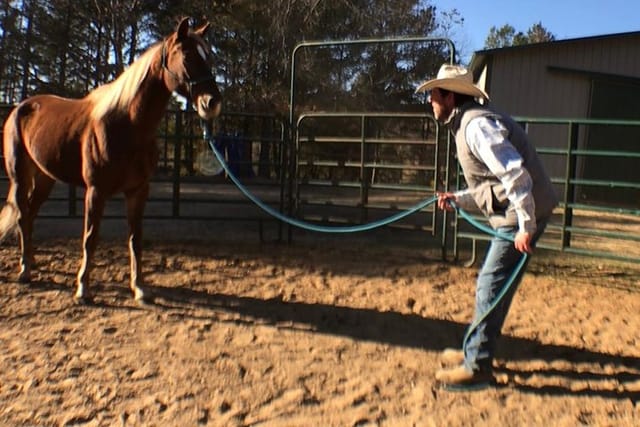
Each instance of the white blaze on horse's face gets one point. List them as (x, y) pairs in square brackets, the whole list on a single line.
[(203, 53)]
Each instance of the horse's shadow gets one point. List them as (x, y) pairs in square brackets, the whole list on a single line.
[(414, 331)]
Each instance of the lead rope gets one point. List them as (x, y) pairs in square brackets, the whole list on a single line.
[(303, 224), (356, 228)]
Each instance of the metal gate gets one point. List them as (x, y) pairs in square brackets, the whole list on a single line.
[(357, 168)]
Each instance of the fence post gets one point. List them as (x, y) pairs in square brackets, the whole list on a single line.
[(570, 188), (177, 163), (364, 184)]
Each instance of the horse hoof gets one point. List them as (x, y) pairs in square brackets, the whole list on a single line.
[(83, 300), (24, 279), (140, 296), (144, 301)]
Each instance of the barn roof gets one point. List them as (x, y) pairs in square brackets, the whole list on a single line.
[(480, 57)]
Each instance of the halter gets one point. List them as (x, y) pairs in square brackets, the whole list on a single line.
[(189, 81)]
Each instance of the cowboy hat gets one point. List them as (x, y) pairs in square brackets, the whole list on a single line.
[(456, 79)]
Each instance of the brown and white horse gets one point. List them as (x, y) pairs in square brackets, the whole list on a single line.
[(105, 142)]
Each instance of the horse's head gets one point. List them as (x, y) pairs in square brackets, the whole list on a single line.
[(187, 62)]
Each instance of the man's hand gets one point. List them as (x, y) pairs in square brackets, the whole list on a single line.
[(443, 201), (522, 242)]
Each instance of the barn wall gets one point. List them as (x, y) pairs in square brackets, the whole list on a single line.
[(525, 81), (521, 82)]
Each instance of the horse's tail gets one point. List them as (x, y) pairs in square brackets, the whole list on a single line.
[(12, 144)]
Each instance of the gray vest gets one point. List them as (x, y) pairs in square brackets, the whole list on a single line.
[(489, 194)]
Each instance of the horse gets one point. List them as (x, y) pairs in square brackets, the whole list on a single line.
[(105, 142)]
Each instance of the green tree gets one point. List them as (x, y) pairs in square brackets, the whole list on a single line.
[(68, 47), (11, 46), (539, 34), (506, 36)]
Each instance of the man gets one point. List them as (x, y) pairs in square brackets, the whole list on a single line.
[(507, 182)]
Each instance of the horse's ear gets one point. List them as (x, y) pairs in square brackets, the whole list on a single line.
[(203, 29), (183, 28)]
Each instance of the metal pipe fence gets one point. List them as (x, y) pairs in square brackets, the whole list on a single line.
[(360, 167), (593, 164), (188, 183)]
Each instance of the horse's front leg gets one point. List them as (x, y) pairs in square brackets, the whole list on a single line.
[(136, 201), (93, 209)]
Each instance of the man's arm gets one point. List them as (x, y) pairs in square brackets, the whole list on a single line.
[(488, 141)]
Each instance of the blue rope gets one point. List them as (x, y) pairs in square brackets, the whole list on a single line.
[(356, 228), (307, 225)]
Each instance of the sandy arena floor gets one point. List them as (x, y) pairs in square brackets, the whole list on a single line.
[(322, 332)]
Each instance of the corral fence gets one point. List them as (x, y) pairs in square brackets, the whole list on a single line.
[(369, 169), (374, 165), (358, 167), (379, 169), (189, 183)]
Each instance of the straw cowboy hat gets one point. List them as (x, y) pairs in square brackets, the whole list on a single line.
[(456, 79)]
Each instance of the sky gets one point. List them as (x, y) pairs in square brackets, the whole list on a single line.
[(565, 19)]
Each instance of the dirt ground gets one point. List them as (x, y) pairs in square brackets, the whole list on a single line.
[(325, 331)]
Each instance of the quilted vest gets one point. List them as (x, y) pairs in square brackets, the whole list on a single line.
[(489, 193)]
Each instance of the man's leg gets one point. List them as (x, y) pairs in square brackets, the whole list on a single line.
[(498, 267), (497, 270)]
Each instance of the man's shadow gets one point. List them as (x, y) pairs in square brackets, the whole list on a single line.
[(414, 331)]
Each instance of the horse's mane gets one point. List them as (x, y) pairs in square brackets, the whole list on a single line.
[(118, 94)]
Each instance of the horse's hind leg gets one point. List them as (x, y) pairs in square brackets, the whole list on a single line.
[(93, 209), (20, 171), (17, 211), (22, 185), (135, 209), (42, 185)]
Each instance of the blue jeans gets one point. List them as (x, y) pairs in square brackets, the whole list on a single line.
[(499, 264)]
